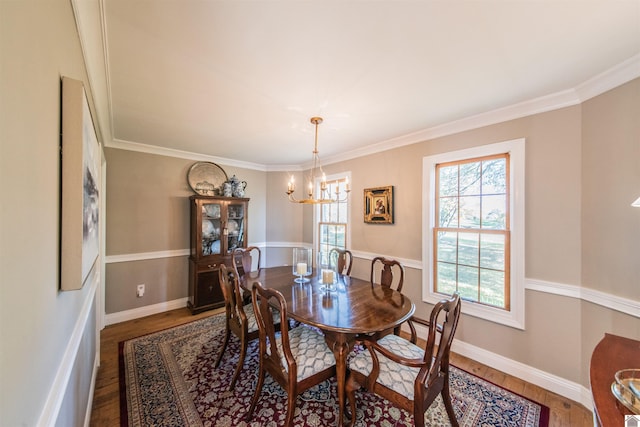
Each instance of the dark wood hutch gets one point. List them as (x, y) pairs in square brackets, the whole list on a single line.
[(218, 226)]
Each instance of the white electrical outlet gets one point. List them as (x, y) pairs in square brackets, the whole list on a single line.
[(140, 291)]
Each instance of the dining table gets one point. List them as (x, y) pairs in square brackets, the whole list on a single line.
[(352, 307)]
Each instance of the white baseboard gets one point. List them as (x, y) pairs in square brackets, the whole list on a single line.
[(554, 383), (147, 310)]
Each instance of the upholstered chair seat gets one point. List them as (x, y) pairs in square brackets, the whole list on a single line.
[(404, 373), (309, 350), (393, 375)]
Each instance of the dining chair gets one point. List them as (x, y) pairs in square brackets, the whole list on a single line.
[(297, 359), (243, 262), (387, 272), (342, 260), (390, 273), (244, 258), (240, 320), (404, 373)]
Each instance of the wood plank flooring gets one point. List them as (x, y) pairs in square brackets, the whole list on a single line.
[(106, 400)]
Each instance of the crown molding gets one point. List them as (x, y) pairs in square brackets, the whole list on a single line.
[(617, 76), (170, 152)]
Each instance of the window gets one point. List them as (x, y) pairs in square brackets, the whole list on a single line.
[(474, 230), (332, 219), (471, 235)]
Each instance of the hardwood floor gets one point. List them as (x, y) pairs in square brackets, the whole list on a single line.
[(106, 400)]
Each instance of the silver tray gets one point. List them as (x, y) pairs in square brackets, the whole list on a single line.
[(205, 178)]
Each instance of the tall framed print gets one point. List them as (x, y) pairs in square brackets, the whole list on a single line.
[(79, 201)]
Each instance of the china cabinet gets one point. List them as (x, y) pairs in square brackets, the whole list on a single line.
[(218, 226)]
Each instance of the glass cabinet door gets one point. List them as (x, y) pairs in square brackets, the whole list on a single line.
[(235, 226), (211, 230)]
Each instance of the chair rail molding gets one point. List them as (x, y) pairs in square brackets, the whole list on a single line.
[(613, 302)]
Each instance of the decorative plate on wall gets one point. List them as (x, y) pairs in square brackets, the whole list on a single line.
[(205, 178)]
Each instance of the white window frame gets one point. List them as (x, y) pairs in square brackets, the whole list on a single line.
[(516, 149), (316, 209)]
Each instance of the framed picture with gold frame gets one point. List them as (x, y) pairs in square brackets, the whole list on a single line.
[(378, 205)]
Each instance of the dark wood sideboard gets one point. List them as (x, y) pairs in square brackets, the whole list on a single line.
[(612, 354)]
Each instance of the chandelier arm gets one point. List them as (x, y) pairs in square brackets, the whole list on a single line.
[(325, 196)]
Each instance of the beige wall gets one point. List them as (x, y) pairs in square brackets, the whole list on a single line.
[(147, 202), (148, 212), (284, 220), (39, 324), (610, 182), (610, 226)]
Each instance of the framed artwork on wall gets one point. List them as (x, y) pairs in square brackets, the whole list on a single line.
[(79, 199), (378, 205)]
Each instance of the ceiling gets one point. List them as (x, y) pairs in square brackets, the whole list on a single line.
[(240, 80)]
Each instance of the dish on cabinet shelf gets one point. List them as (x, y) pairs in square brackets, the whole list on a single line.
[(212, 210), (211, 248), (207, 228), (232, 227)]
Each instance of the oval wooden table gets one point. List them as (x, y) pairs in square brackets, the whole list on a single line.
[(355, 307), (612, 354)]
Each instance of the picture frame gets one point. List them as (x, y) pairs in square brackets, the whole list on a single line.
[(378, 205), (80, 183)]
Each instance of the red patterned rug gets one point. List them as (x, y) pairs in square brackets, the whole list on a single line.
[(167, 379)]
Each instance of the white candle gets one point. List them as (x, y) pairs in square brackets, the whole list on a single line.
[(301, 268), (327, 276)]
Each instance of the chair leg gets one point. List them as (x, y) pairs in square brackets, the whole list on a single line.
[(418, 414), (224, 347), (243, 354), (446, 397), (350, 389), (256, 394), (291, 410)]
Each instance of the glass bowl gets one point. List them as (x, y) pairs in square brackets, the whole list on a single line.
[(626, 388)]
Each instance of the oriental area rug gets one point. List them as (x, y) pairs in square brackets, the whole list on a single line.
[(167, 379)]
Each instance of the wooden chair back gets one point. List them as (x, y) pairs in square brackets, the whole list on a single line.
[(294, 375), (433, 377), (238, 317), (387, 272), (246, 260), (342, 260), (442, 324), (230, 286), (264, 300)]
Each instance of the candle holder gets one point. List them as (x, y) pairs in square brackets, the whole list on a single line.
[(302, 264), (327, 273)]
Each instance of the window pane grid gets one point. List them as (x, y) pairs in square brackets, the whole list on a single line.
[(332, 224), (472, 236)]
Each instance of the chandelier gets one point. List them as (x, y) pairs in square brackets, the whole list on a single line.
[(325, 196)]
